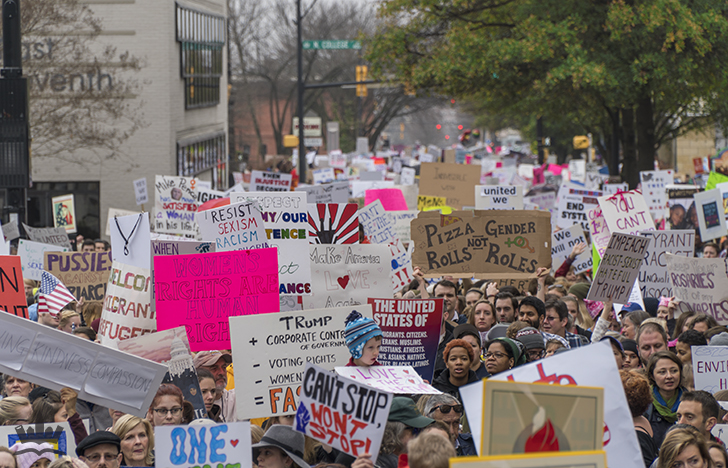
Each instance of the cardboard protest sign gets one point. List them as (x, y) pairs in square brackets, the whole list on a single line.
[(271, 352), (402, 270), (10, 230), (681, 212), (131, 240), (58, 434), (345, 275), (620, 440), (619, 268), (563, 241), (64, 213), (498, 197), (709, 368), (574, 206), (323, 176), (455, 182), (224, 444), (170, 347), (391, 199), (410, 332), (408, 176), (354, 413), (402, 221), (335, 192), (654, 185), (85, 274), (711, 215), (140, 191), (127, 312), (53, 236), (393, 379), (31, 257), (55, 359), (12, 289), (377, 223), (285, 218), (200, 291), (175, 204), (626, 212), (700, 284), (238, 226), (270, 181), (654, 277), (512, 244), (333, 223)]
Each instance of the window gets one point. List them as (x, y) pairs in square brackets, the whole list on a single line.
[(198, 155), (201, 37), (85, 197)]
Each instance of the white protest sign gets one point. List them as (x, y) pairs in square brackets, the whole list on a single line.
[(175, 204), (619, 268), (270, 181), (397, 165), (402, 271), (355, 413), (140, 191), (131, 240), (31, 257), (402, 224), (577, 169), (348, 274), (53, 236), (337, 159), (335, 192), (700, 284), (611, 189), (116, 213), (635, 296), (574, 206), (396, 379), (323, 176), (223, 444), (271, 352), (238, 226), (378, 223), (711, 215), (205, 195), (410, 193), (654, 277), (55, 359), (10, 230), (620, 440), (498, 197), (58, 434), (563, 241), (593, 180), (359, 187), (710, 368), (407, 177), (653, 189), (544, 201), (427, 157), (626, 212), (720, 431), (599, 231)]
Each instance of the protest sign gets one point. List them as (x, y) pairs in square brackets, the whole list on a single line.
[(270, 181), (360, 187), (408, 176), (175, 246), (512, 244), (594, 180), (238, 226), (345, 275), (131, 240), (710, 368), (116, 213), (611, 189), (285, 218), (335, 192), (620, 441), (393, 379), (324, 175), (127, 312), (654, 185), (595, 459), (54, 236), (563, 241), (402, 221), (140, 191), (351, 417), (425, 202), (31, 257), (85, 274), (681, 213), (402, 270), (392, 199), (574, 206), (498, 197), (700, 284), (337, 159), (12, 289), (397, 164), (175, 204), (58, 434), (205, 195), (455, 182), (377, 223), (619, 268), (599, 232), (626, 212), (64, 213), (711, 215), (720, 431), (333, 223), (410, 332), (577, 169), (410, 193), (654, 277), (544, 201), (56, 359), (10, 230), (271, 351), (226, 284), (375, 175), (223, 444)]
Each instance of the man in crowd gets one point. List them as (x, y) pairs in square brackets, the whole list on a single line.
[(505, 307), (448, 291), (556, 320), (217, 362), (711, 250), (651, 338), (101, 449), (446, 408), (88, 246), (700, 410), (48, 319), (101, 245)]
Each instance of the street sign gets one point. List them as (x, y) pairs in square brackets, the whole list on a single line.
[(313, 142), (311, 126), (331, 45)]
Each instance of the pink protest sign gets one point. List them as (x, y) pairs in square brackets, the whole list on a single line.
[(392, 198), (200, 292), (555, 169)]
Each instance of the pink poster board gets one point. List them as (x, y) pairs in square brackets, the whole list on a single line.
[(392, 198)]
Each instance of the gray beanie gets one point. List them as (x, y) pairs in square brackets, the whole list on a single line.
[(531, 338), (721, 339)]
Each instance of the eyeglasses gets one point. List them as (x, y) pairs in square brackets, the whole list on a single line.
[(445, 409), (164, 411), (495, 355), (535, 354), (96, 457)]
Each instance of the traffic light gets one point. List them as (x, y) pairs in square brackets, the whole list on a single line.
[(361, 75), (581, 142)]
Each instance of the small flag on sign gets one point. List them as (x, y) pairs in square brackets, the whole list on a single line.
[(53, 295)]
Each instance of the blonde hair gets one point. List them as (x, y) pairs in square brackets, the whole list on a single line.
[(128, 422), (66, 317), (67, 462), (676, 441), (91, 312), (660, 322), (430, 450), (7, 450), (10, 409), (583, 318)]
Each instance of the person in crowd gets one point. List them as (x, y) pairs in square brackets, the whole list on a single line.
[(683, 323), (86, 333), (217, 362), (664, 371), (7, 458), (685, 341), (651, 338), (209, 392), (101, 245), (280, 447), (515, 327), (715, 331), (33, 455), (558, 288), (552, 346), (447, 409), (631, 322), (483, 318), (446, 335), (15, 410), (582, 320), (718, 454), (13, 386), (458, 356), (563, 270), (101, 449), (684, 448), (363, 337), (505, 307), (49, 407), (88, 246), (503, 354), (470, 334), (92, 312), (533, 343), (637, 391), (702, 323), (137, 440), (617, 350), (447, 290), (532, 311), (167, 406), (430, 451), (700, 410), (69, 320), (555, 322), (115, 415), (663, 309), (631, 355), (472, 296), (48, 319), (68, 462), (711, 250)]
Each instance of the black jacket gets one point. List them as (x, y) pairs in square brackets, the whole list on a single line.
[(439, 361), (443, 384)]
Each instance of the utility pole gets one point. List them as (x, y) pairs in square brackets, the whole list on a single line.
[(302, 165), (539, 137)]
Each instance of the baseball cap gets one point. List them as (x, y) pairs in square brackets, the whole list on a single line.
[(209, 358)]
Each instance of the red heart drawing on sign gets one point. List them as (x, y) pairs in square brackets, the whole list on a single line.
[(412, 381), (343, 281), (405, 371), (234, 442)]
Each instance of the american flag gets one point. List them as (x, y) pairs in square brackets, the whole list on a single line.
[(53, 295)]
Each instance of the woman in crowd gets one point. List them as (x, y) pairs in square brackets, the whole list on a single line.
[(470, 334), (483, 318), (167, 406), (33, 455), (68, 462), (13, 386), (664, 371), (578, 311), (7, 458), (684, 448), (50, 407), (280, 447), (503, 354), (632, 322), (631, 355), (208, 390), (458, 356), (637, 390), (14, 411), (718, 454), (69, 321), (137, 440)]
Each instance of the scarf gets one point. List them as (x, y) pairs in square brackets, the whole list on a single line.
[(667, 409)]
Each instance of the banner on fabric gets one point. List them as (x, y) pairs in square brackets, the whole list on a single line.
[(200, 292), (700, 284), (455, 182), (574, 206), (563, 241), (12, 288), (498, 197), (85, 274), (619, 268), (354, 413), (393, 379), (238, 226), (654, 277), (410, 332), (402, 270), (175, 205), (333, 223), (335, 192), (654, 185), (53, 236), (127, 312), (270, 181), (31, 257), (378, 224), (710, 368), (477, 243), (626, 212), (347, 275), (271, 352), (223, 444)]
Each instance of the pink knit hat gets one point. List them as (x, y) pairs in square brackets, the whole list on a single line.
[(664, 301), (29, 452)]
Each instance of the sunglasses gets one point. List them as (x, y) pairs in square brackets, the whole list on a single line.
[(445, 409)]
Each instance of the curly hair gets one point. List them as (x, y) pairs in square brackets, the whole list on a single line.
[(637, 391), (458, 343)]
